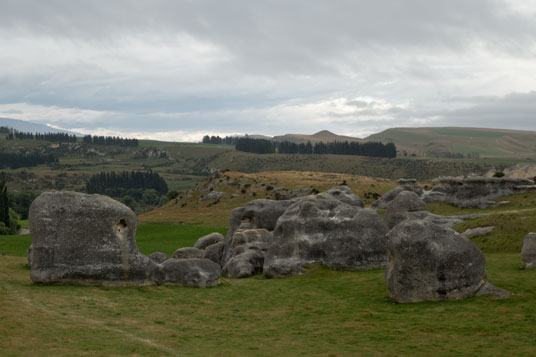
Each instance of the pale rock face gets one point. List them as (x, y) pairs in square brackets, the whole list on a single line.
[(247, 248), (90, 240), (324, 230), (397, 209), (428, 262)]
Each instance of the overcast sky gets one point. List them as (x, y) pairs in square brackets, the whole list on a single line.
[(177, 70)]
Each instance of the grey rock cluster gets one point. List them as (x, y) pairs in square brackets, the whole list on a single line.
[(476, 191), (279, 237), (403, 185), (322, 229), (90, 240)]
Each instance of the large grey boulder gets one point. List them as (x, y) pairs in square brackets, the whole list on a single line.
[(528, 252), (429, 263), (245, 256), (405, 201), (208, 240), (85, 239), (189, 272), (214, 252), (262, 213), (90, 240), (404, 185), (322, 229), (344, 194)]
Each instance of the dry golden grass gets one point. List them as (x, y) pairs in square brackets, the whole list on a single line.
[(196, 212)]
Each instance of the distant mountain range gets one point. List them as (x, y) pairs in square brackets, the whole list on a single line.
[(29, 127), (324, 135), (441, 141)]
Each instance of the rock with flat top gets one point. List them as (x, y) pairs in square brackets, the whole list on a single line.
[(85, 239)]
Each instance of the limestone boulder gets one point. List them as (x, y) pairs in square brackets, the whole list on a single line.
[(214, 252), (428, 262), (261, 213), (247, 260), (158, 257), (528, 251), (344, 194), (245, 251), (192, 272), (405, 201), (188, 253), (387, 197), (85, 239), (324, 230), (208, 240), (90, 240)]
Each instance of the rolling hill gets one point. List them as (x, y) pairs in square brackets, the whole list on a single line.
[(440, 142), (324, 135)]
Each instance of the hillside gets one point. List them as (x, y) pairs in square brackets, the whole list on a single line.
[(440, 142), (324, 136)]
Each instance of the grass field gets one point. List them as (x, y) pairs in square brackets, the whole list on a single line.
[(318, 313), (321, 313)]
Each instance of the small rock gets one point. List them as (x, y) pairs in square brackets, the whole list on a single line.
[(209, 239), (528, 252), (158, 257), (188, 253)]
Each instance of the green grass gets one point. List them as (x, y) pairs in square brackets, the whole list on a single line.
[(15, 245), (319, 313), (150, 238), (166, 238)]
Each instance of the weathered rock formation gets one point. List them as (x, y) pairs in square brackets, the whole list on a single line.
[(403, 185), (323, 229), (214, 252), (528, 252), (429, 263), (344, 194), (478, 231), (262, 213), (397, 209), (188, 253), (189, 272), (158, 257), (208, 240), (475, 191), (90, 240), (245, 253)]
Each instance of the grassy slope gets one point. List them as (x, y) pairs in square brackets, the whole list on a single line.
[(198, 212), (486, 142), (321, 312)]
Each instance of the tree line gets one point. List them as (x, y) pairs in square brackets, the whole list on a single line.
[(8, 217), (109, 140), (228, 140), (52, 137), (16, 160), (263, 146), (132, 183)]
